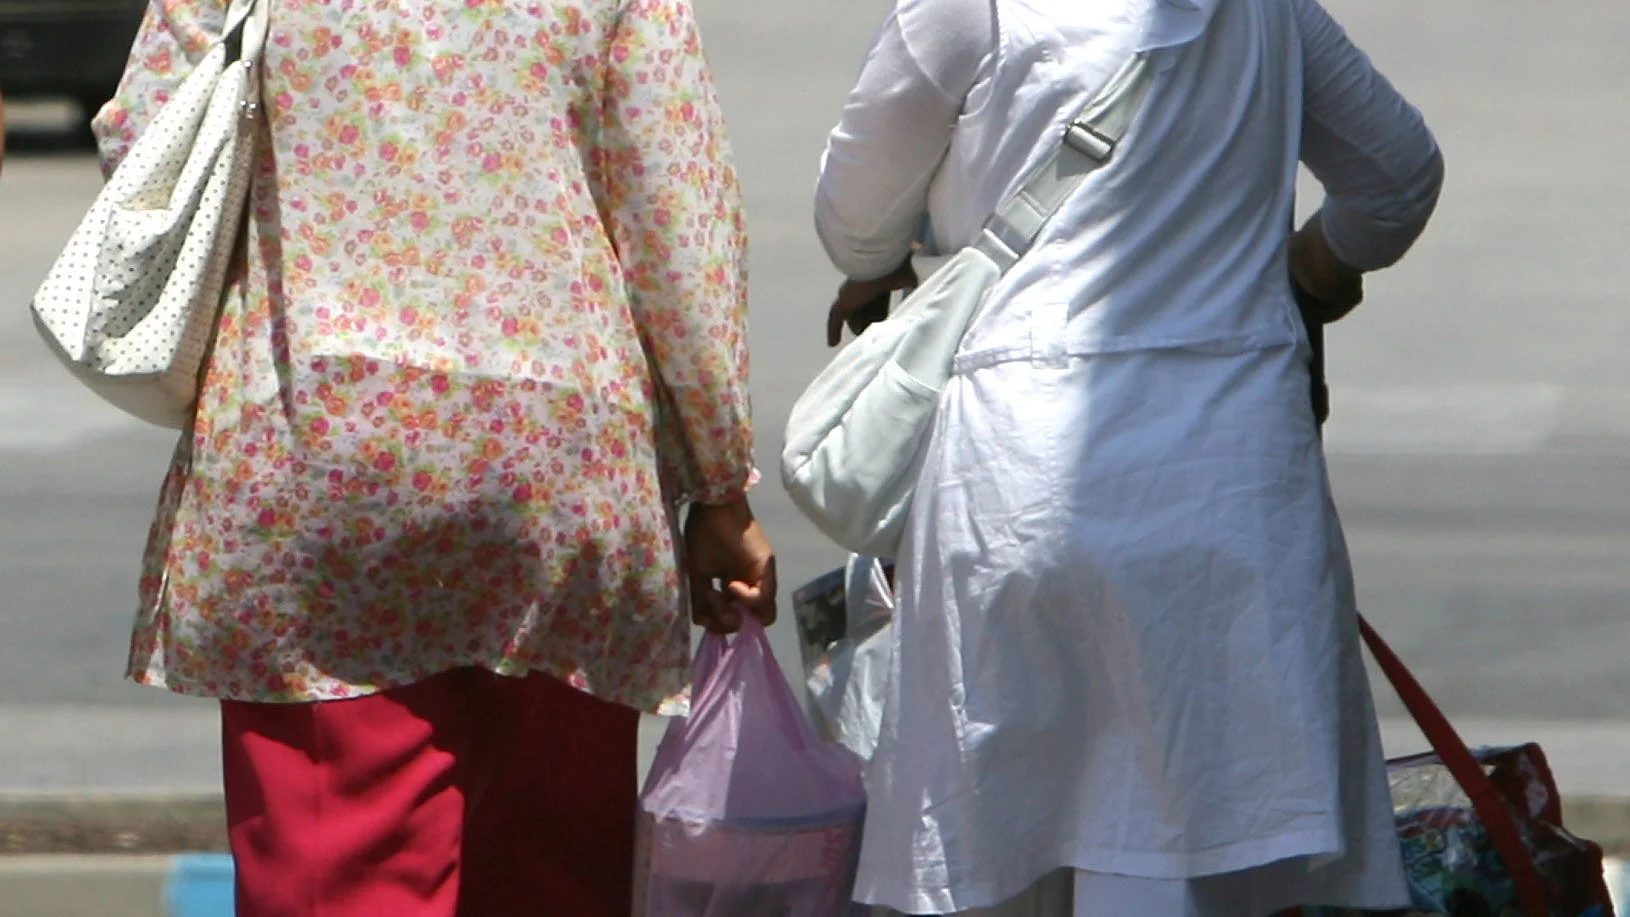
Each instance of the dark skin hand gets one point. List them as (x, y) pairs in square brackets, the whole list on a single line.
[(1315, 268), (731, 567), (862, 302)]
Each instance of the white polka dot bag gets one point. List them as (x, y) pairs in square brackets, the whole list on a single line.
[(130, 305)]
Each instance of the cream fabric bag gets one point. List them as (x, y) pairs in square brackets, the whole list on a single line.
[(856, 438), (130, 305)]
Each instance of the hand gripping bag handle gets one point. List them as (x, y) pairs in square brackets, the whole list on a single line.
[(1491, 807)]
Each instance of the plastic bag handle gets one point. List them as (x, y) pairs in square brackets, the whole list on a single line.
[(712, 652), (708, 654), (802, 734), (1490, 806)]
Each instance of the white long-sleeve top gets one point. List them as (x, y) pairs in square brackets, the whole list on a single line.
[(1126, 639), (930, 128)]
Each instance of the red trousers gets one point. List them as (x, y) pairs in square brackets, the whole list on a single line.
[(465, 795)]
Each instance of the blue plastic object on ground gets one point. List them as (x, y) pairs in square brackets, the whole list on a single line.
[(200, 885)]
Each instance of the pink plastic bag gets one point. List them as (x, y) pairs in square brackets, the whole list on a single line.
[(747, 812)]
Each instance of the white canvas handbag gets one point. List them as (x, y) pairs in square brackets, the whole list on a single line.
[(130, 305), (856, 438)]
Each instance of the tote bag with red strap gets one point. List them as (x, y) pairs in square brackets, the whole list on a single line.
[(1481, 830)]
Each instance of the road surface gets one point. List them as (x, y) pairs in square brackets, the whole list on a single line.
[(1480, 444)]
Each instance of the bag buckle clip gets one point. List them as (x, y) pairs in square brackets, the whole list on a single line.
[(1086, 140)]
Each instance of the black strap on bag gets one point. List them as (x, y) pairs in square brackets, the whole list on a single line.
[(1311, 309)]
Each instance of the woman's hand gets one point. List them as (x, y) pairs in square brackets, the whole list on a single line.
[(731, 567), (1315, 268), (862, 302)]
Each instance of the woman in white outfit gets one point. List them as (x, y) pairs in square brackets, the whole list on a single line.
[(1127, 681)]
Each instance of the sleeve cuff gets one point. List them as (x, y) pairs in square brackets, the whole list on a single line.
[(1371, 241), (730, 492)]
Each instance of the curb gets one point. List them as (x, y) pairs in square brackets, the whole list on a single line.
[(200, 885), (107, 856), (1601, 819), (184, 885), (134, 855), (38, 824)]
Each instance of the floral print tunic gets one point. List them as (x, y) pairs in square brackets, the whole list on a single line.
[(488, 336)]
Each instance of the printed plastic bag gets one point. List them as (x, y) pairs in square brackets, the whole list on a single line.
[(1481, 831), (747, 812), (847, 645), (1450, 856)]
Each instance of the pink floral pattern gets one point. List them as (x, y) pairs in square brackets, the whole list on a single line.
[(489, 335)]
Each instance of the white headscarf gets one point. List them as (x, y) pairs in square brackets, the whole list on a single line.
[(1171, 22)]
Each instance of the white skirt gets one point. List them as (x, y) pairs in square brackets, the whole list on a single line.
[(1257, 892)]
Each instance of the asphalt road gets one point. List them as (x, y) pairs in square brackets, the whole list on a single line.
[(1480, 442)]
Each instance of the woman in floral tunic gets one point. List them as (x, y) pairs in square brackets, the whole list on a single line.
[(487, 339)]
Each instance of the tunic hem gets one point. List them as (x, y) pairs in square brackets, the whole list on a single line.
[(656, 703), (1193, 865)]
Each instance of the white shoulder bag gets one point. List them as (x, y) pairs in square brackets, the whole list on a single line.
[(856, 438), (131, 304)]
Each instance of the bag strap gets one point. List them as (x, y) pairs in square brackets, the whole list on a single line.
[(1491, 807), (1087, 143)]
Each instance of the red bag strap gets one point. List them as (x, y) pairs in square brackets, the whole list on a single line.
[(1490, 806)]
